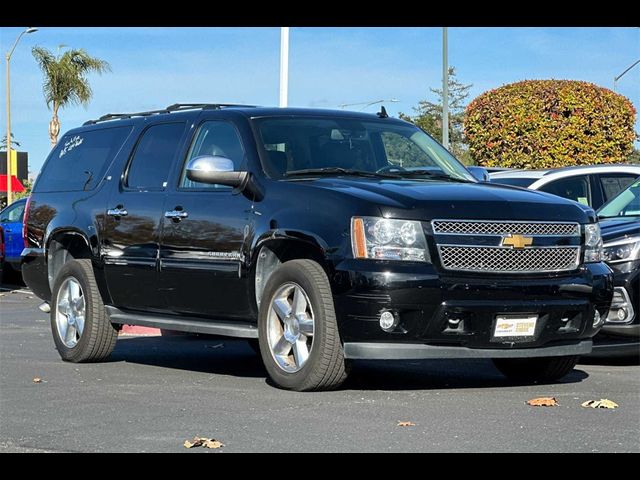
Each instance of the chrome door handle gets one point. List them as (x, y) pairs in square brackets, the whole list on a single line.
[(117, 212), (176, 214)]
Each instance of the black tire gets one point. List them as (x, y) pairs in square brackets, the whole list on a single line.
[(10, 275), (542, 369), (99, 336), (325, 367)]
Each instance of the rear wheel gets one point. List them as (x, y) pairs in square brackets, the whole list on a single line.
[(79, 322), (536, 369), (299, 339)]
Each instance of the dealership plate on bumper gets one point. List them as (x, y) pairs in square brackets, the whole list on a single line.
[(515, 326)]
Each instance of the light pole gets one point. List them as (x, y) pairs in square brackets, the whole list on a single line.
[(445, 89), (615, 79), (367, 104), (8, 57), (284, 66)]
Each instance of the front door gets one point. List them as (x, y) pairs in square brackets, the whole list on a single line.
[(203, 236), (134, 214)]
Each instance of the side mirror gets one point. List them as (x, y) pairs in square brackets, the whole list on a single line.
[(215, 170), (479, 173)]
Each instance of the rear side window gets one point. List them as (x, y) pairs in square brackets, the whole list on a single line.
[(80, 160), (154, 155), (613, 184)]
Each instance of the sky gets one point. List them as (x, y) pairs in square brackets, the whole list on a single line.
[(154, 67)]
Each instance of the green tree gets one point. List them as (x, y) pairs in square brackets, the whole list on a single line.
[(65, 81), (428, 115), (14, 143), (28, 185)]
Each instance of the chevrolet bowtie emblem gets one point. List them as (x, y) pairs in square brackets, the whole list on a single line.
[(517, 241)]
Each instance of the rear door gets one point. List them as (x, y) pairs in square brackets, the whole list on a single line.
[(203, 248), (133, 218), (11, 222)]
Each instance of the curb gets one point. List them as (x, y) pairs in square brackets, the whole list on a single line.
[(137, 331)]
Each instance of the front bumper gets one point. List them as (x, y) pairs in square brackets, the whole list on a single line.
[(626, 278), (459, 311)]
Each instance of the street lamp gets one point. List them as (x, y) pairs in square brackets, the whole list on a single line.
[(8, 57), (367, 104), (615, 79)]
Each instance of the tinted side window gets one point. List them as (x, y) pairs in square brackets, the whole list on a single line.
[(214, 138), (13, 214), (151, 162), (613, 184), (80, 160), (573, 188)]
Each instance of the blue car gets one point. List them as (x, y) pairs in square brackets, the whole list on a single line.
[(11, 223)]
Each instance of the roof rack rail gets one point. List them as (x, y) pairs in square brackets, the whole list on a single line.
[(176, 107)]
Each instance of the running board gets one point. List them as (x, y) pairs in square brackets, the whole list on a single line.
[(183, 324)]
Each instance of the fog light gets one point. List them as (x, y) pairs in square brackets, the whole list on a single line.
[(388, 321), (622, 314), (596, 318)]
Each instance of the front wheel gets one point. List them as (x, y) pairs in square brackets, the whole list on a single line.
[(542, 369), (299, 339)]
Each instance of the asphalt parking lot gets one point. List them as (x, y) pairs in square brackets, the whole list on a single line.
[(157, 392)]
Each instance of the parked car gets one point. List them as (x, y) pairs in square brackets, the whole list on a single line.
[(590, 185), (327, 235), (1, 250), (620, 224), (11, 222)]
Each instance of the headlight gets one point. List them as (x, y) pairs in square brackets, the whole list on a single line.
[(624, 250), (387, 239), (593, 243)]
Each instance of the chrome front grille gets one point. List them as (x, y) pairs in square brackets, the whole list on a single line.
[(482, 227), (490, 246), (505, 260)]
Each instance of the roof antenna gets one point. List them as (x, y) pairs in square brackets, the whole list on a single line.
[(383, 112)]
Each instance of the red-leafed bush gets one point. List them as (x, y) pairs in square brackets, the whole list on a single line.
[(549, 123)]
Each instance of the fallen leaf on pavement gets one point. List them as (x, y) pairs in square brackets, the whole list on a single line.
[(212, 443), (602, 403), (37, 380), (202, 442), (543, 402), (406, 424)]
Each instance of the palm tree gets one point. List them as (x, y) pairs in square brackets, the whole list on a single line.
[(65, 81)]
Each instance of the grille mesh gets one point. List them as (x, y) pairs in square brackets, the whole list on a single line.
[(504, 228), (500, 259)]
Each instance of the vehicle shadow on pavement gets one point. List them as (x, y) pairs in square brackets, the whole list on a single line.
[(190, 352), (436, 374), (612, 361), (236, 358)]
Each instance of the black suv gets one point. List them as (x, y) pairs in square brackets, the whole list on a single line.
[(322, 235)]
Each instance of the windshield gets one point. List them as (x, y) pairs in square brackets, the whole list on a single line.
[(308, 147), (514, 181), (626, 204)]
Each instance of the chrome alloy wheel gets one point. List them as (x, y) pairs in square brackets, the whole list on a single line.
[(290, 326), (70, 312)]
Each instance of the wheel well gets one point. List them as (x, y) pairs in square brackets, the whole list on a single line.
[(274, 253), (63, 247)]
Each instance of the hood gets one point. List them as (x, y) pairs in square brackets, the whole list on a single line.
[(426, 200), (619, 228)]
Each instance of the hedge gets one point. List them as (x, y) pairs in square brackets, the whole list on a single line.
[(549, 123)]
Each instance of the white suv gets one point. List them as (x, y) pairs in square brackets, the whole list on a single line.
[(590, 185)]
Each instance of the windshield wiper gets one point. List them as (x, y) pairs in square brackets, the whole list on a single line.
[(338, 171), (432, 174)]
